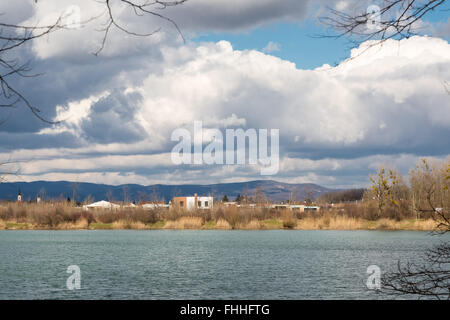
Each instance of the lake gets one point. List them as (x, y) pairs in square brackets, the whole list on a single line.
[(163, 264)]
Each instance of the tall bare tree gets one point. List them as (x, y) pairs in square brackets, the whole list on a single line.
[(293, 195), (260, 197), (109, 195), (387, 188), (126, 194), (75, 189)]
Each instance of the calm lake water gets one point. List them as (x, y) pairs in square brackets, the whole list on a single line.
[(201, 264)]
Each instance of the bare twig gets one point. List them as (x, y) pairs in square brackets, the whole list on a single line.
[(146, 9), (394, 19), (14, 36)]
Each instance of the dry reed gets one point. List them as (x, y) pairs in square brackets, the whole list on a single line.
[(63, 216)]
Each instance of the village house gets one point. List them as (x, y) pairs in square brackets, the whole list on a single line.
[(191, 203), (296, 207), (230, 204), (149, 205), (101, 205)]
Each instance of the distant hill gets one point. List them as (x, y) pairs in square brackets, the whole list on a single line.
[(273, 190)]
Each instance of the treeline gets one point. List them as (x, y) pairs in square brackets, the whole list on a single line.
[(424, 193), (342, 196)]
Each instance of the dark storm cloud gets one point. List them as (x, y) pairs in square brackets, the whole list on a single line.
[(224, 15), (62, 80), (112, 119), (384, 106), (26, 140)]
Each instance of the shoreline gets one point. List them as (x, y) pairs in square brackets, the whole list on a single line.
[(194, 223)]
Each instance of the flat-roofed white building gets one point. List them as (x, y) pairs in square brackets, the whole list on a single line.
[(191, 203)]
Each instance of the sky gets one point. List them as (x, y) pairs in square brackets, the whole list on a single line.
[(255, 64)]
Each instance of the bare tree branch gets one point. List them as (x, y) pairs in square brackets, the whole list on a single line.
[(145, 9), (14, 36), (11, 38), (431, 279), (394, 19)]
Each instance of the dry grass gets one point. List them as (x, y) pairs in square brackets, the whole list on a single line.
[(121, 224), (330, 223), (425, 225), (223, 225), (252, 225), (185, 223), (62, 216), (345, 223), (139, 226), (389, 224), (80, 224), (128, 224)]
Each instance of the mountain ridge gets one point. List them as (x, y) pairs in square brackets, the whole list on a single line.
[(273, 190)]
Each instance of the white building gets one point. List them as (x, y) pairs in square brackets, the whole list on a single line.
[(195, 202), (101, 205), (152, 206)]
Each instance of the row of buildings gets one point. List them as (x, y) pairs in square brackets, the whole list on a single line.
[(181, 203), (186, 203), (194, 203)]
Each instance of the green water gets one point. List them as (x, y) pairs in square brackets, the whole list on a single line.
[(201, 264)]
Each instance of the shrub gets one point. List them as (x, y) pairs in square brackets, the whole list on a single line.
[(370, 211), (20, 214), (288, 219), (144, 216), (6, 213)]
